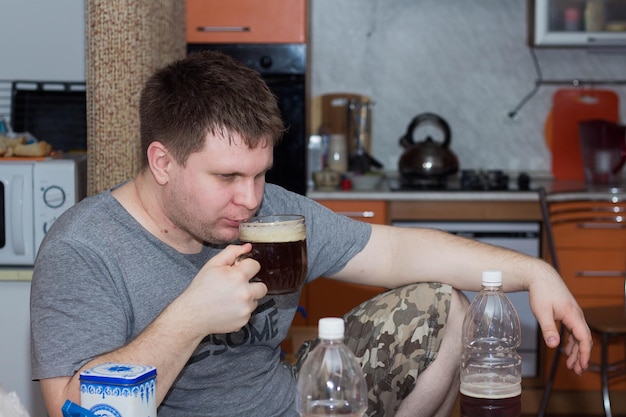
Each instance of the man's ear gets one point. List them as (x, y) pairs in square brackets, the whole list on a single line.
[(159, 161)]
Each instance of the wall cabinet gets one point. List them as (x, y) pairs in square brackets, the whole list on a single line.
[(246, 21), (577, 23), (592, 260)]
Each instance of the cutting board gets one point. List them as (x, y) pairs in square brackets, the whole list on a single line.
[(569, 107)]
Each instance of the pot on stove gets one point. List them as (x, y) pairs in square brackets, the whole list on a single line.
[(427, 163)]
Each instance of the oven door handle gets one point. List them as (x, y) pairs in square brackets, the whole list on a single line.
[(17, 215), (593, 274), (223, 29), (602, 226), (366, 214)]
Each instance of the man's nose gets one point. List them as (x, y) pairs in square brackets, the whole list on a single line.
[(247, 194)]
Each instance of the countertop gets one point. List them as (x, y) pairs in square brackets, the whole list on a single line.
[(557, 190), (17, 274)]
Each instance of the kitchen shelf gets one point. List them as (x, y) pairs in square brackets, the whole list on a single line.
[(592, 24), (581, 82)]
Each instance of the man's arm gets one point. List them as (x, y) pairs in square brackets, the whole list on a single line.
[(396, 256), (220, 299)]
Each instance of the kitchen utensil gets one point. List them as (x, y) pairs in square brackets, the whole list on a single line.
[(279, 245), (569, 108), (334, 115), (337, 158), (351, 114), (603, 150), (366, 182), (359, 133), (427, 163), (326, 179)]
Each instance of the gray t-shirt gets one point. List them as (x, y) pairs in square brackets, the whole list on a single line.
[(100, 278)]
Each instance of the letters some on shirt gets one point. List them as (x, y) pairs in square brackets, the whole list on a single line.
[(262, 327)]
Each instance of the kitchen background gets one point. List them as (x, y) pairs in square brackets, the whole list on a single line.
[(466, 60)]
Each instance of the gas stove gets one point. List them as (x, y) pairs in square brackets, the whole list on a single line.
[(467, 180)]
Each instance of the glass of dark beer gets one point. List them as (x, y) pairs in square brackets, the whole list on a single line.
[(279, 245)]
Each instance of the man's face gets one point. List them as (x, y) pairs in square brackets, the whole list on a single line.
[(217, 188)]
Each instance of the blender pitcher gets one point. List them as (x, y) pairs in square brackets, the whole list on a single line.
[(603, 151), (359, 124)]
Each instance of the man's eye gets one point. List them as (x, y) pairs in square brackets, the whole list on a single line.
[(226, 176)]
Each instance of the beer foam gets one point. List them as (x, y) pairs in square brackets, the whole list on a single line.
[(289, 231), (494, 391)]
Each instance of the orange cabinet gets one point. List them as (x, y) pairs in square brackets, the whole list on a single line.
[(326, 297), (592, 260), (246, 21)]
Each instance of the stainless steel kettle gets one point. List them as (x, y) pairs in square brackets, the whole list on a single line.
[(359, 131), (427, 163)]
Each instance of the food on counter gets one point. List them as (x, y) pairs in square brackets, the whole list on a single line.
[(17, 146), (326, 179), (7, 144), (368, 181), (41, 148)]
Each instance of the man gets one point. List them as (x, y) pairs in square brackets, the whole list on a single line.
[(148, 272)]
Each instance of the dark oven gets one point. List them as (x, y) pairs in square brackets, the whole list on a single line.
[(283, 67)]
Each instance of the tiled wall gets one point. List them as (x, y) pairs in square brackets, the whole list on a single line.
[(466, 60)]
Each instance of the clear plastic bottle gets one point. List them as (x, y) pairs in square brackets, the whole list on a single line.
[(491, 368), (331, 382)]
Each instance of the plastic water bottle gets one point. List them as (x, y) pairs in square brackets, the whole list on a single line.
[(491, 368), (331, 382)]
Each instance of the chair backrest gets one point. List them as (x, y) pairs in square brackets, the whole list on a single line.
[(547, 225), (594, 216)]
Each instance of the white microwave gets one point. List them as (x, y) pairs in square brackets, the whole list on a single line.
[(33, 194)]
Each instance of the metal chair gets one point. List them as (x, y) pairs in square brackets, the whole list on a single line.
[(607, 322)]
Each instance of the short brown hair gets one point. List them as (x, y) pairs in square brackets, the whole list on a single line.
[(206, 92)]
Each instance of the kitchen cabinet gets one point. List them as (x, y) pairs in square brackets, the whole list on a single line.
[(246, 21), (325, 297), (473, 210), (43, 41), (511, 207), (592, 261), (576, 23)]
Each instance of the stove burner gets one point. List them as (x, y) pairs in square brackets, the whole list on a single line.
[(413, 182), (484, 180), (466, 180)]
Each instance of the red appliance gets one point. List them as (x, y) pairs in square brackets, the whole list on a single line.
[(569, 108)]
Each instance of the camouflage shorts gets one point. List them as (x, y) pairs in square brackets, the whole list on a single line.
[(395, 336)]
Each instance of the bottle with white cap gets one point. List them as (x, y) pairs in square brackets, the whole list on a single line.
[(491, 368), (331, 382)]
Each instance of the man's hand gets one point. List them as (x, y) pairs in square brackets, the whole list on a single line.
[(550, 301), (221, 297)]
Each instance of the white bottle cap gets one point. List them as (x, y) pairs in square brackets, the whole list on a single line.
[(492, 278), (330, 328)]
